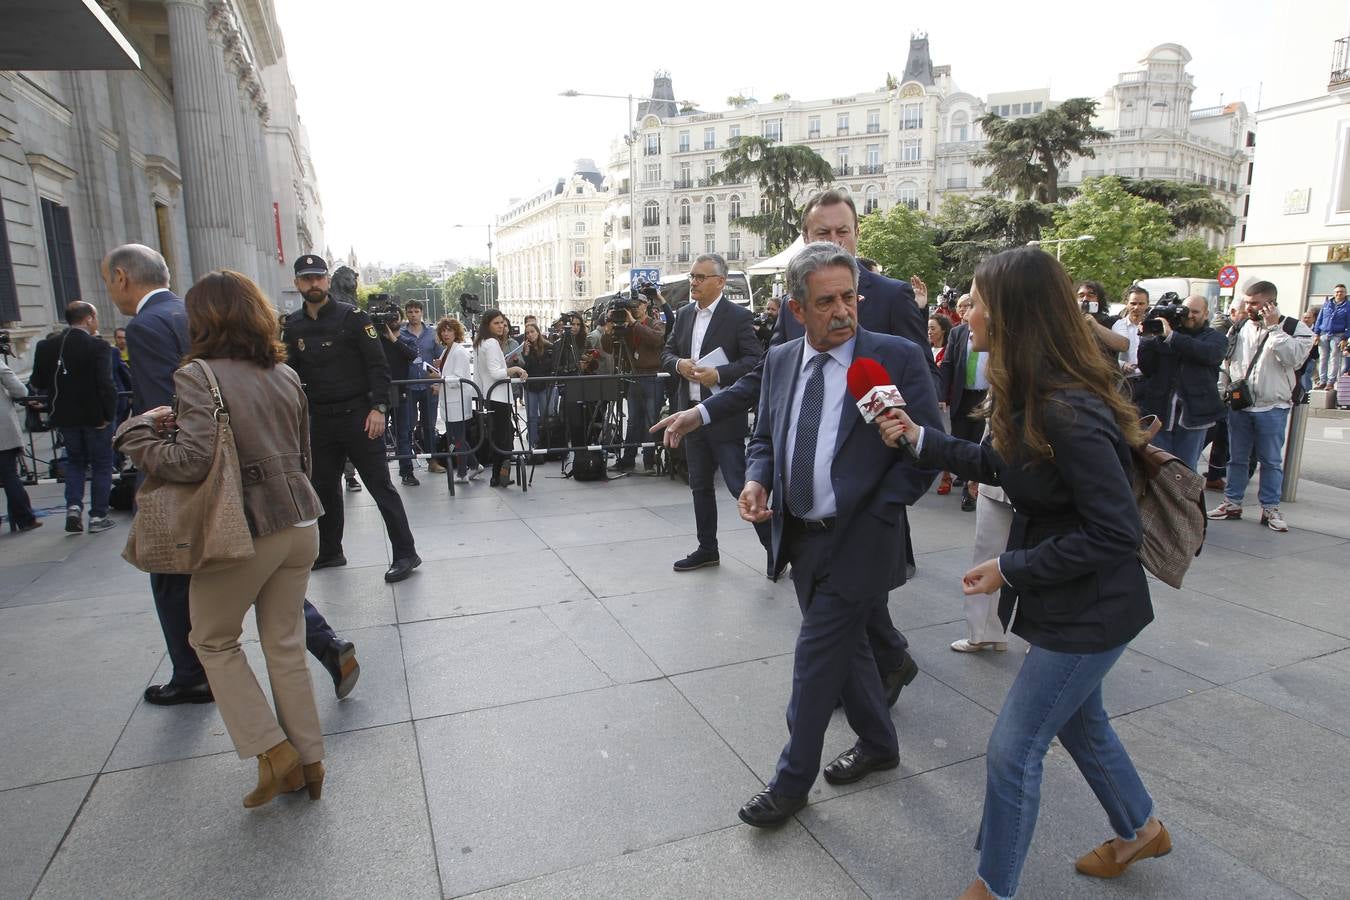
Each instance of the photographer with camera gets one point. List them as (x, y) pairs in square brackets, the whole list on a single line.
[(1179, 356), (644, 337), (400, 354), (766, 323), (1258, 378), (1092, 302)]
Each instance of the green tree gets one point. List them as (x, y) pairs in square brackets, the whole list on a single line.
[(903, 242), (1189, 205), (1026, 154), (1132, 237), (406, 285), (470, 280), (966, 230), (1192, 258), (781, 170)]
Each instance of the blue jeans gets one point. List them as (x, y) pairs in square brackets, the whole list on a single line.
[(645, 397), (421, 402), (537, 407), (1329, 363), (89, 448), (1182, 443), (1055, 694), (1264, 431)]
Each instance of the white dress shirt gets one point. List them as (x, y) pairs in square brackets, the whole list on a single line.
[(1129, 357), (701, 319), (835, 373)]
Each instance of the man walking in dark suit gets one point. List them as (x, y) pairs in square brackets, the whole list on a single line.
[(137, 279), (889, 308), (712, 345), (834, 493), (75, 371)]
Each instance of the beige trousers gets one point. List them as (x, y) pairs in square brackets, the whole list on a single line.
[(993, 521), (273, 582)]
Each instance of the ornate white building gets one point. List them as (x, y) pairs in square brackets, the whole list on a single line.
[(551, 247), (199, 153), (1298, 226), (909, 142)]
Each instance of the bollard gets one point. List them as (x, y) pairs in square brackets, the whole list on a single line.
[(1293, 451)]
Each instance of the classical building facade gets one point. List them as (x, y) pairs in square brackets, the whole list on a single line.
[(909, 142), (1298, 225), (551, 247), (200, 153)]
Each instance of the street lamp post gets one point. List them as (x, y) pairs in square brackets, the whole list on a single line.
[(488, 226), (1060, 241)]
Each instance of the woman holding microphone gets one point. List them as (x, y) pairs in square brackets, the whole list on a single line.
[(1070, 580)]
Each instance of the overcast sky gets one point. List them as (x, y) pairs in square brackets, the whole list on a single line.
[(426, 114)]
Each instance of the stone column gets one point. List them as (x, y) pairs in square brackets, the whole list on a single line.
[(196, 108), (255, 119), (227, 112)]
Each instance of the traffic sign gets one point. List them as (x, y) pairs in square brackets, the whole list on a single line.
[(651, 276), (1228, 276)]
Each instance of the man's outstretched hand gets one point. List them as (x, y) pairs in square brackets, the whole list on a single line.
[(678, 425)]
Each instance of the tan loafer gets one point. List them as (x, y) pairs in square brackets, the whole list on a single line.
[(968, 646), (1101, 862)]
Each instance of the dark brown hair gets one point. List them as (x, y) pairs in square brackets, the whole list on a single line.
[(484, 331), (229, 318), (1040, 343), (454, 325)]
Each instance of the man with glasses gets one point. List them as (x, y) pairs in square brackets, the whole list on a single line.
[(712, 344)]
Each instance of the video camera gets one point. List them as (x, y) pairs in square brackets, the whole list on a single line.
[(6, 348), (383, 311), (1169, 307)]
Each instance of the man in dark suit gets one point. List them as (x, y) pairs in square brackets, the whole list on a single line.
[(137, 279), (834, 493), (75, 371), (711, 346), (963, 388), (888, 308)]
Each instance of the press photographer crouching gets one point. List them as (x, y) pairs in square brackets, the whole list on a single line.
[(1179, 358), (636, 341)]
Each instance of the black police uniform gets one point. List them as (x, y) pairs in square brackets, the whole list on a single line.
[(339, 359)]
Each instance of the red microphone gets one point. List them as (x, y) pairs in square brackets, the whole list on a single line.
[(869, 383)]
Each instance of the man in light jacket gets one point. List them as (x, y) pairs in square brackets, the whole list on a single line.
[(1267, 357)]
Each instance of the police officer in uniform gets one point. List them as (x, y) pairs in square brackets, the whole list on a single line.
[(335, 350)]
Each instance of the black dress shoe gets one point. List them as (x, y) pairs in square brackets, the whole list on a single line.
[(402, 568), (767, 809), (339, 658), (353, 484), (697, 560), (967, 502), (410, 480), (896, 679), (173, 694), (328, 562), (623, 465), (853, 764)]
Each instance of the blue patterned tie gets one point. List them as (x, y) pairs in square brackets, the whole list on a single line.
[(801, 480)]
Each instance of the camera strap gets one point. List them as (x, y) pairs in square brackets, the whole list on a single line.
[(1260, 345)]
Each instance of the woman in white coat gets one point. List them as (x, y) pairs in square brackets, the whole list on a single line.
[(489, 368), (456, 407), (21, 516)]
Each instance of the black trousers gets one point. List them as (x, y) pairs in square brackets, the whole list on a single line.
[(501, 429), (704, 457), (333, 439), (963, 425)]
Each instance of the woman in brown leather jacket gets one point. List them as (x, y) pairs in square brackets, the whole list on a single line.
[(233, 328)]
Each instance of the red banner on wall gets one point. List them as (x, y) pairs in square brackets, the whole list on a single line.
[(276, 219)]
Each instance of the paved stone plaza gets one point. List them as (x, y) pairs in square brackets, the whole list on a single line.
[(547, 710)]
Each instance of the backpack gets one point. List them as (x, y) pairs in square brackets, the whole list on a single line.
[(1289, 325), (586, 465), (1171, 498)]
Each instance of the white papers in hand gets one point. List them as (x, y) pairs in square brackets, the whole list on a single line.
[(718, 357)]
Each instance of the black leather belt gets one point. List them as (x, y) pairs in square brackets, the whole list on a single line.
[(342, 406), (813, 526)]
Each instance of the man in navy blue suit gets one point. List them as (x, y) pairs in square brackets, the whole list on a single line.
[(835, 495), (137, 279), (885, 306), (711, 345)]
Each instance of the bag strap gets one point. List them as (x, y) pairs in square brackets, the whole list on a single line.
[(1232, 351), (222, 413)]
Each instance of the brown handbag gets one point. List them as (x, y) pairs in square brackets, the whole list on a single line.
[(1171, 500), (183, 529)]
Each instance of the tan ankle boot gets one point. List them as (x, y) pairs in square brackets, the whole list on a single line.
[(314, 779), (278, 771)]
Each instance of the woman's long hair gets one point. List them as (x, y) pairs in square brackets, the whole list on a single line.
[(539, 346), (229, 318), (1039, 343), (484, 331)]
